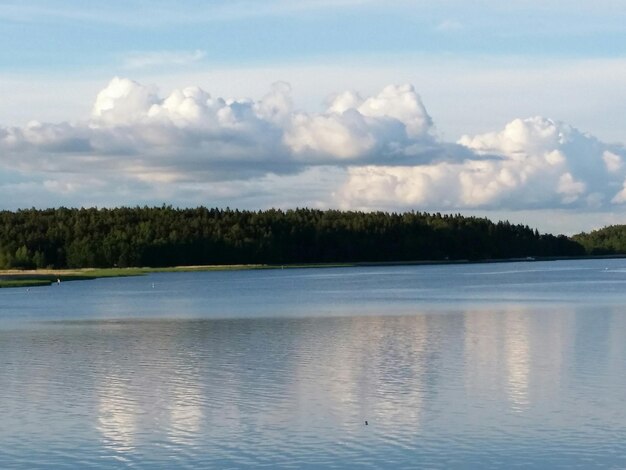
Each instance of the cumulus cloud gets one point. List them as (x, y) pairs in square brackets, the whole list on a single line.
[(352, 128), (122, 102), (378, 151), (534, 163), (201, 136)]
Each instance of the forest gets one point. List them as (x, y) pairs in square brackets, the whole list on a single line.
[(609, 240), (166, 236)]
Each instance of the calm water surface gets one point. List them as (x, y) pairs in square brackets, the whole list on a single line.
[(478, 366)]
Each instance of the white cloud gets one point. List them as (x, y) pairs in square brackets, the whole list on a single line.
[(345, 136), (455, 86), (570, 188), (376, 152), (122, 102), (139, 60), (620, 197), (531, 163), (401, 103), (383, 126), (612, 161), (200, 135)]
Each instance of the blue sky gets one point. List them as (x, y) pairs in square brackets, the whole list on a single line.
[(66, 35), (238, 30), (501, 98)]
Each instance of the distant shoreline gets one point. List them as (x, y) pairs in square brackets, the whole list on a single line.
[(45, 277)]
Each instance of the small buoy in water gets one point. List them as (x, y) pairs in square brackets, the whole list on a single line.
[(153, 285), (366, 423)]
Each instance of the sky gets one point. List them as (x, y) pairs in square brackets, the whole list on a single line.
[(506, 110)]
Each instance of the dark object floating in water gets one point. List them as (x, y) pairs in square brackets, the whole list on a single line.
[(366, 423)]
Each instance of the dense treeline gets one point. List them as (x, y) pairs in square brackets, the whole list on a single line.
[(607, 241), (165, 236)]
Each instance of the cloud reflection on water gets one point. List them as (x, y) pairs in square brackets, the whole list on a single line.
[(230, 392), (117, 415), (326, 374)]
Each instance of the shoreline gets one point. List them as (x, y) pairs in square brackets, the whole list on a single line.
[(13, 278)]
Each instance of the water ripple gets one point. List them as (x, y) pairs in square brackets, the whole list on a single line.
[(474, 386)]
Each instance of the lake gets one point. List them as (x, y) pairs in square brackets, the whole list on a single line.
[(452, 366)]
